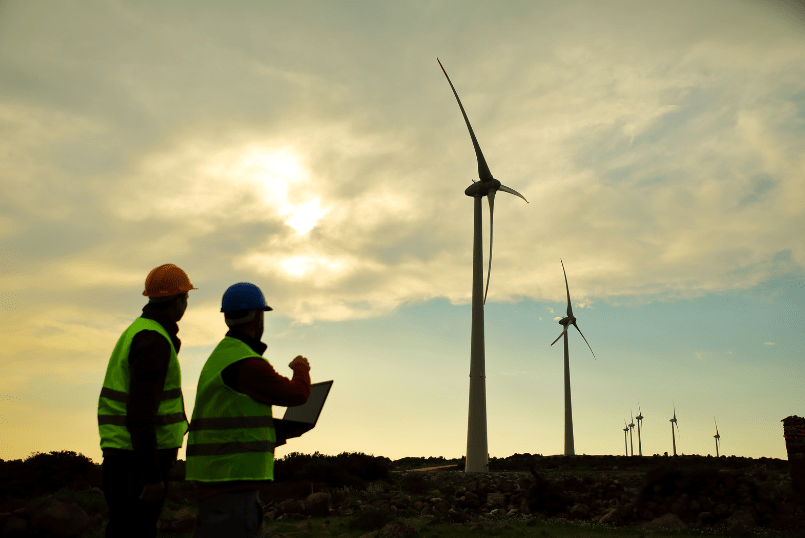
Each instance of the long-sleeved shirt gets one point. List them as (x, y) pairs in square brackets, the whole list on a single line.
[(148, 365)]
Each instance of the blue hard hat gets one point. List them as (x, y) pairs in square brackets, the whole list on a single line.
[(243, 296)]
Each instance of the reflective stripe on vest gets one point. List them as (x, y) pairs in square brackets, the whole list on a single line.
[(231, 436), (171, 421)]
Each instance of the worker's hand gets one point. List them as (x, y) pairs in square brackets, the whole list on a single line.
[(299, 360), (153, 493)]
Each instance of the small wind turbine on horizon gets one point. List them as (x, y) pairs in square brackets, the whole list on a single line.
[(631, 429), (718, 437), (570, 448), (639, 420), (625, 445), (673, 423), (477, 446)]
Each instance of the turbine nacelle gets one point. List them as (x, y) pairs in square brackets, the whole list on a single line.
[(482, 188)]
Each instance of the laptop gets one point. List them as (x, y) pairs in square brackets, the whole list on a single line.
[(302, 418)]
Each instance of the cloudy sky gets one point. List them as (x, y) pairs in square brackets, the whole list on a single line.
[(316, 150)]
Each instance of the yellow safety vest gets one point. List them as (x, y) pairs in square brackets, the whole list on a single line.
[(171, 421), (231, 436)]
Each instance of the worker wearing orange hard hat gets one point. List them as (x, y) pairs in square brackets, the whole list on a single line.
[(141, 415)]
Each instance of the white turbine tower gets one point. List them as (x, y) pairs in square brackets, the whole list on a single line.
[(570, 449), (477, 447), (639, 421), (718, 437), (673, 423), (631, 429)]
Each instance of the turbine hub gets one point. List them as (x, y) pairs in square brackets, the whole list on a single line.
[(482, 188), (564, 321)]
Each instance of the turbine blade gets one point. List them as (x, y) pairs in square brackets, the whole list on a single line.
[(491, 197), (588, 344), (569, 308), (483, 170), (504, 188), (558, 337)]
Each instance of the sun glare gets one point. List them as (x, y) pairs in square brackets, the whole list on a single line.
[(305, 216), (281, 180)]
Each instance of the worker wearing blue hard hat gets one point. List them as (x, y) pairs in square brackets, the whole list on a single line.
[(231, 440)]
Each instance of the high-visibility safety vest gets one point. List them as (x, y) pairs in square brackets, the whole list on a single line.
[(231, 436), (171, 421)]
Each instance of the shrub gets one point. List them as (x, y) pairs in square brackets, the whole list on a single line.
[(41, 474), (414, 483)]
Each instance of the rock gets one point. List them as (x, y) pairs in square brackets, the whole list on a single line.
[(180, 522), (57, 518), (512, 513), (291, 506), (609, 517), (477, 527), (397, 529), (721, 509), (667, 522), (579, 511), (317, 504), (496, 499), (740, 523)]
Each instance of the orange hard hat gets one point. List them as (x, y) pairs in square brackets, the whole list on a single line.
[(167, 280)]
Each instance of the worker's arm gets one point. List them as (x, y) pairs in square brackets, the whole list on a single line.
[(148, 363), (256, 378)]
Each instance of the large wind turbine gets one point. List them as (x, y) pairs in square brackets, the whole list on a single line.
[(568, 320), (631, 429), (673, 423), (718, 437), (477, 448), (639, 420)]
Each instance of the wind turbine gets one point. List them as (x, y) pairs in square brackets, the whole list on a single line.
[(477, 448), (631, 428), (673, 423), (639, 420), (625, 429), (718, 437), (570, 449)]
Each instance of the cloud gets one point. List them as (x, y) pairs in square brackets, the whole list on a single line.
[(651, 158)]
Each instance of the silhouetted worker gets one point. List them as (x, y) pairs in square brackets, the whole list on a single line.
[(141, 415), (230, 447)]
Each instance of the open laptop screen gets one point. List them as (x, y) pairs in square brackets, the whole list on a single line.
[(309, 411)]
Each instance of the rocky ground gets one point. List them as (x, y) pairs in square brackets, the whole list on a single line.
[(649, 493)]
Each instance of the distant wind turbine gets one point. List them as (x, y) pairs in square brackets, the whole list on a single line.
[(565, 322), (477, 448), (718, 437), (625, 429), (639, 420), (673, 423), (631, 429)]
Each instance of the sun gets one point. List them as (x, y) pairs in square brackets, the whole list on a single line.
[(281, 178)]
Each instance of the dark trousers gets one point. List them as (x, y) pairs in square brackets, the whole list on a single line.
[(122, 485), (234, 515)]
